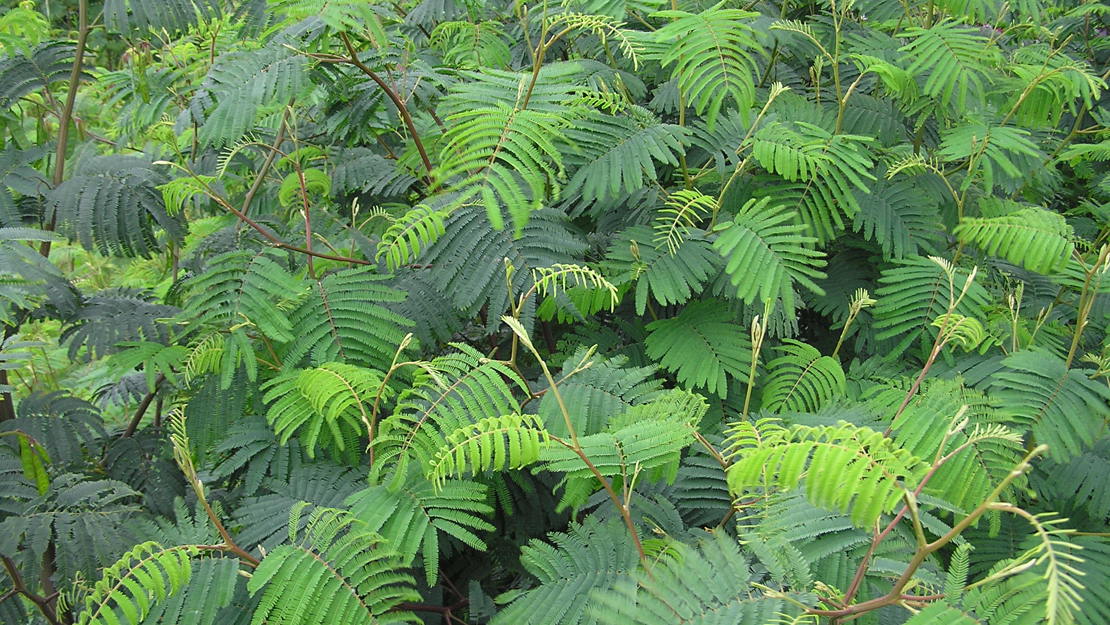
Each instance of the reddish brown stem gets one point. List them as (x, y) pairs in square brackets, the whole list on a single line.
[(143, 405), (393, 97), (67, 110), (43, 603)]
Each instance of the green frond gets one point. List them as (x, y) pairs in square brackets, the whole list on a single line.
[(113, 206), (647, 439), (801, 380), (714, 57), (954, 59), (470, 46), (246, 288), (1055, 550), (596, 392), (1063, 407), (148, 573), (994, 153), (46, 65), (860, 469), (686, 588), (945, 419), (590, 557), (901, 216), (913, 292), (684, 209), (450, 393), (1077, 484), (551, 281), (469, 257), (1034, 237), (177, 193), (246, 84), (335, 400), (300, 186), (833, 172), (409, 234), (136, 16), (657, 275), (762, 242), (414, 517), (501, 157), (490, 444), (339, 573), (617, 154), (702, 346), (344, 317)]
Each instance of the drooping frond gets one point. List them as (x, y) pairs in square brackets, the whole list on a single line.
[(647, 438), (914, 292), (997, 154), (764, 243), (558, 279), (801, 380), (450, 393), (685, 588), (245, 84), (945, 419), (658, 275), (714, 57), (490, 444), (469, 258), (953, 58), (701, 346), (616, 154), (590, 557), (334, 399), (116, 316), (337, 573), (1064, 408), (825, 171), (134, 16), (343, 318), (113, 206), (21, 74), (851, 467), (1034, 237), (502, 157), (411, 233), (416, 516), (596, 395), (683, 210), (145, 573), (901, 216), (472, 45)]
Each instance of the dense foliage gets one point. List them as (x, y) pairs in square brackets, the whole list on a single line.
[(536, 312)]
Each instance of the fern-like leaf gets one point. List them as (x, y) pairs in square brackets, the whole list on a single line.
[(1034, 237), (148, 571), (860, 469), (714, 57), (1063, 407), (764, 243), (701, 346), (339, 573), (490, 444), (802, 380), (334, 399)]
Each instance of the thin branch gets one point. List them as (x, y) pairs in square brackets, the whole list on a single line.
[(143, 405), (18, 586), (67, 110), (397, 102), (265, 169)]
